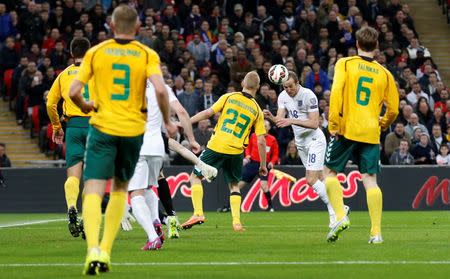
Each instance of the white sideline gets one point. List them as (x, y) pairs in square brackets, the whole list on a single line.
[(11, 225), (238, 263)]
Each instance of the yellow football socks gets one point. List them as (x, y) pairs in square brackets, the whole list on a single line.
[(235, 204), (92, 218), (197, 199), (375, 205), (113, 216), (72, 189), (335, 195)]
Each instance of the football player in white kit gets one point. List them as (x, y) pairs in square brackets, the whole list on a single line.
[(301, 106), (144, 202)]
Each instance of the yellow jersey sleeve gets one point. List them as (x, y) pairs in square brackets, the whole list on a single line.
[(260, 128), (85, 71), (336, 97), (391, 100), (153, 65), (53, 98), (218, 106)]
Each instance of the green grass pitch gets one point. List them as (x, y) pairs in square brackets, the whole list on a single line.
[(275, 245)]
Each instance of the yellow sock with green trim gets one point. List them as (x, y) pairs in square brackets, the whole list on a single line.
[(335, 195), (72, 189), (197, 199), (92, 219), (375, 205), (235, 205), (113, 216)]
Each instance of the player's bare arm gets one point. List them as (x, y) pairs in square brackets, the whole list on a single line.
[(205, 114), (281, 113), (185, 122), (77, 98), (312, 122), (262, 154)]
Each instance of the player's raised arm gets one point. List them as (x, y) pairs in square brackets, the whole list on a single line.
[(336, 97), (260, 131), (215, 108), (391, 101)]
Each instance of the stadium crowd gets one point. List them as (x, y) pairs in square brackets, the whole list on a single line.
[(206, 48)]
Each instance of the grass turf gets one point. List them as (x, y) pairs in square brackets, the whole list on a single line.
[(296, 240)]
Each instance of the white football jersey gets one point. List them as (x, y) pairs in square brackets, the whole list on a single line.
[(298, 107), (153, 144)]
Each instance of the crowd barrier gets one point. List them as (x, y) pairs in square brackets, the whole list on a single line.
[(404, 188)]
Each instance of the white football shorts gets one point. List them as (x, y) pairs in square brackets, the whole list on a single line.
[(146, 172)]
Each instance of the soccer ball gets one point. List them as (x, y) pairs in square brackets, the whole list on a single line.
[(278, 74)]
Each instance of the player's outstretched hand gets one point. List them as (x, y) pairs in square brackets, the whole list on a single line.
[(58, 136), (263, 171), (171, 129), (284, 122), (195, 147), (87, 107)]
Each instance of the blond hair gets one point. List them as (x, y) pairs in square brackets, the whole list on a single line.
[(251, 80), (367, 38), (124, 19)]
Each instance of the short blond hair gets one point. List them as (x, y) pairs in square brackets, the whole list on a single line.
[(124, 19), (251, 80)]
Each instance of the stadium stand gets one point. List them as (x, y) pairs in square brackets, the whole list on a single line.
[(204, 43)]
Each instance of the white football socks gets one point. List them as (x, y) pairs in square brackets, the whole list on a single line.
[(142, 214), (152, 202), (321, 190)]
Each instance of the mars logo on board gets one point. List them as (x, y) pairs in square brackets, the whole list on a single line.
[(432, 189), (288, 192)]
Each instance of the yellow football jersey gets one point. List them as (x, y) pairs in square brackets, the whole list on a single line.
[(119, 69), (60, 89), (360, 88), (239, 115)]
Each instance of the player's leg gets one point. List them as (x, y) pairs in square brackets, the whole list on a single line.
[(128, 149), (213, 159), (155, 165), (141, 211), (75, 143), (369, 167), (99, 160), (336, 157), (232, 171), (265, 188)]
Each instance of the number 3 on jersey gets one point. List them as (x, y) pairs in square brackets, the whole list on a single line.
[(363, 89), (125, 82), (232, 121)]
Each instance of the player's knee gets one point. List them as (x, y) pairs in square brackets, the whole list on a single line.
[(135, 193), (311, 180)]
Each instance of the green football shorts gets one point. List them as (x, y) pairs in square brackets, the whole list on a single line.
[(110, 156), (76, 134), (230, 163), (365, 155)]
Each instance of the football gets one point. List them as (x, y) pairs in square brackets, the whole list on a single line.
[(278, 74)]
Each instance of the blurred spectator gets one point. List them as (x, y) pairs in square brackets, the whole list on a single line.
[(416, 93), (199, 50), (424, 111), (9, 57), (443, 158), (189, 99), (193, 20), (239, 68), (437, 138), (423, 153), (291, 157), (441, 103), (25, 81), (393, 139), (207, 99), (4, 160), (414, 123), (401, 155), (414, 47), (249, 28), (31, 25), (317, 76), (202, 133)]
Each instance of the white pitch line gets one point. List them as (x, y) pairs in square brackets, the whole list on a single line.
[(238, 263), (11, 225)]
